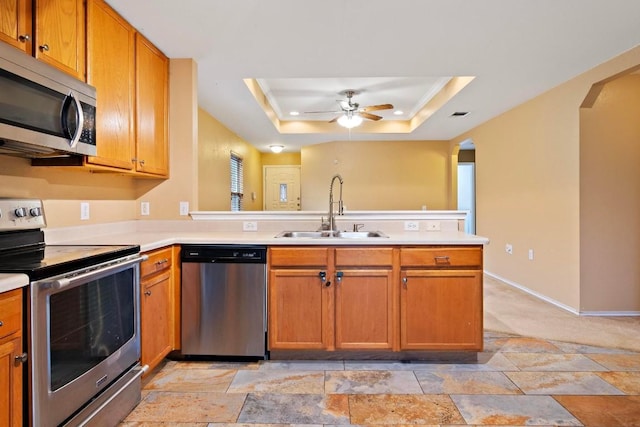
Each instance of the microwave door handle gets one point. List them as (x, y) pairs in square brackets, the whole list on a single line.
[(73, 139)]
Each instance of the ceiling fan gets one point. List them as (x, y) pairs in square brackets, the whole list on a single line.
[(351, 114)]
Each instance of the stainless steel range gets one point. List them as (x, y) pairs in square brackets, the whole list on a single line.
[(83, 321)]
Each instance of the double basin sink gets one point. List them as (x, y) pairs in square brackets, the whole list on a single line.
[(327, 234)]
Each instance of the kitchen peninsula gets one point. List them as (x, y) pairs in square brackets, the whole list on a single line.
[(418, 292)]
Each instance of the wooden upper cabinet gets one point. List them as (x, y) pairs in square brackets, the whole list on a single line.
[(152, 74), (111, 70), (15, 24), (60, 35)]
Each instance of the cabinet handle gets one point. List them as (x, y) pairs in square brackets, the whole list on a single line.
[(21, 358), (404, 282), (147, 293), (339, 275), (133, 160), (162, 261), (24, 38), (44, 47), (441, 259), (141, 162)]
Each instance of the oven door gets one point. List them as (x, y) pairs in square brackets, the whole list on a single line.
[(85, 333)]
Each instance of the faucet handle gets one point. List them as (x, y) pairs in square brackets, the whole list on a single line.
[(357, 227)]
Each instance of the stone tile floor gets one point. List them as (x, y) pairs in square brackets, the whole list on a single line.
[(516, 381)]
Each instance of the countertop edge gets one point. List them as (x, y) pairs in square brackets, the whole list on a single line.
[(11, 281)]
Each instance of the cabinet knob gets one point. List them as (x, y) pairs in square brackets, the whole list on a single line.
[(44, 47), (404, 282), (147, 293), (21, 358), (141, 162), (339, 275), (1, 323), (24, 38)]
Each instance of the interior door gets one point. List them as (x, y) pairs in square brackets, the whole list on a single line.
[(282, 188)]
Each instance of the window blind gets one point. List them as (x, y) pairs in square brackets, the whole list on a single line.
[(236, 182)]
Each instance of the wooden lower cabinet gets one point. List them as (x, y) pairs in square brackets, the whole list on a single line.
[(11, 360), (156, 307), (364, 310), (370, 298), (299, 309), (324, 299), (441, 310)]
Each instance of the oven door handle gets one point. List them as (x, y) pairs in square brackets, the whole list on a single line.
[(93, 274)]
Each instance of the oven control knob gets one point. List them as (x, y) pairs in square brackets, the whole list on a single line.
[(35, 211), (21, 212)]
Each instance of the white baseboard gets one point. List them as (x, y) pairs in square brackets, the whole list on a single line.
[(561, 305), (611, 313)]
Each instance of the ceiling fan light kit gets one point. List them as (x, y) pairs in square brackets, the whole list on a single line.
[(350, 120)]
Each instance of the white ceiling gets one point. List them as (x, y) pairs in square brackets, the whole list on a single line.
[(304, 53)]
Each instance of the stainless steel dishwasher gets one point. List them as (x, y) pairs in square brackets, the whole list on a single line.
[(224, 300)]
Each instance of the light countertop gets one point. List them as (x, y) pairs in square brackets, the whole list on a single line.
[(9, 282), (154, 240)]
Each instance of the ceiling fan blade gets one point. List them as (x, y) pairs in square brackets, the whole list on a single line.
[(370, 116), (377, 107), (335, 119)]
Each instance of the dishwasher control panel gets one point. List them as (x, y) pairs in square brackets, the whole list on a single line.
[(224, 253)]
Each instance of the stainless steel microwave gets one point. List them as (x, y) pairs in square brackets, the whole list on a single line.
[(44, 112)]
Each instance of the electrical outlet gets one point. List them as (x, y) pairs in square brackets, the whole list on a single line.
[(411, 226), (184, 208), (433, 225), (250, 226), (144, 208), (508, 248), (84, 211), (530, 254)]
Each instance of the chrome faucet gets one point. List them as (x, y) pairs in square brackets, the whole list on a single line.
[(332, 220)]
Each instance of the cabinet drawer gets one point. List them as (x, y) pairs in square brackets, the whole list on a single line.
[(360, 257), (10, 312), (298, 256), (441, 257), (158, 261)]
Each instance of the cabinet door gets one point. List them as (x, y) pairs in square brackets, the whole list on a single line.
[(10, 383), (156, 319), (60, 35), (441, 310), (111, 70), (364, 309), (299, 316), (15, 24), (152, 71)]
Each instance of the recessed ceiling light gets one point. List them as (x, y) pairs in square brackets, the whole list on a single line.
[(398, 112), (459, 114), (294, 113)]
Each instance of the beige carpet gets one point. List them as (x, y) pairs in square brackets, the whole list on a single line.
[(510, 310)]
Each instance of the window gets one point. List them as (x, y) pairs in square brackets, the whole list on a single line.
[(236, 182)]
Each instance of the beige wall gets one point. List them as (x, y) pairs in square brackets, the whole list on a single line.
[(528, 187), (110, 197), (378, 175), (215, 144), (610, 198), (285, 159)]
